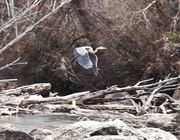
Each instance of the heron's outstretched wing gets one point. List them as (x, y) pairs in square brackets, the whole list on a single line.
[(79, 52), (82, 57)]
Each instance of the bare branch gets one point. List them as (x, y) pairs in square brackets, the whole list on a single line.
[(11, 4), (15, 62), (31, 27), (18, 16), (142, 11)]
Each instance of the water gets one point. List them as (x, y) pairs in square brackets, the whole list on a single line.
[(27, 123)]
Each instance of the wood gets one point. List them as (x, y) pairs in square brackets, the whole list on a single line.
[(115, 89), (94, 105), (8, 80), (30, 89), (61, 100), (8, 84), (114, 107), (31, 27)]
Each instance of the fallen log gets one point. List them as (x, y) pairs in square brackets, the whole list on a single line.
[(17, 109), (61, 100), (115, 89), (30, 89), (83, 97), (10, 100), (66, 108), (8, 84), (114, 107), (8, 80)]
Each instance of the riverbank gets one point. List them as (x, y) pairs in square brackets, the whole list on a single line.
[(111, 113)]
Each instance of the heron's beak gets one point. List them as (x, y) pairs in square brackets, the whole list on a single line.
[(104, 48)]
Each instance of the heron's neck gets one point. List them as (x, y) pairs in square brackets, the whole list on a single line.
[(93, 51)]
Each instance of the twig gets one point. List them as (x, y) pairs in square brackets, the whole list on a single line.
[(11, 5), (18, 16), (31, 89), (144, 81), (8, 80), (15, 62), (148, 102), (30, 28)]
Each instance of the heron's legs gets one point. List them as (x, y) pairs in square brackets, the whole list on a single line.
[(73, 60)]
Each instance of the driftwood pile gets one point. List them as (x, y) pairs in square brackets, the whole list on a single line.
[(144, 104)]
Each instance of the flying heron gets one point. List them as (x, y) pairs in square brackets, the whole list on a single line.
[(87, 58)]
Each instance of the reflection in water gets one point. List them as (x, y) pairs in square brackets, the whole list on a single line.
[(27, 123)]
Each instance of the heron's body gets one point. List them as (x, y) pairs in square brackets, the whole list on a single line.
[(82, 57), (87, 58)]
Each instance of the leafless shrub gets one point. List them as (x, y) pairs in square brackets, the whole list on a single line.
[(133, 31)]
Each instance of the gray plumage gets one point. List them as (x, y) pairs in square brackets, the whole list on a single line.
[(87, 58), (82, 57)]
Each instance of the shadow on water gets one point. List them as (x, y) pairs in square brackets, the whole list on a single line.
[(27, 123)]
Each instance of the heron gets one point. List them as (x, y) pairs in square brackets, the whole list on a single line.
[(87, 58)]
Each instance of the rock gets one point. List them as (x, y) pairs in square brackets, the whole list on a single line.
[(8, 132), (48, 138), (41, 134), (110, 130), (156, 134), (111, 137), (7, 126), (14, 135)]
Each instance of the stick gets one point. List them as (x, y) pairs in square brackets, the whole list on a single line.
[(30, 89)]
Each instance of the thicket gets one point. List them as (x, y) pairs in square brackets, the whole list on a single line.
[(142, 38)]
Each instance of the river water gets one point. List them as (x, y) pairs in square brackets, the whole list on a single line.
[(27, 123)]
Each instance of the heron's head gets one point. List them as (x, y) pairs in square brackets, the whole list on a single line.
[(101, 48)]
